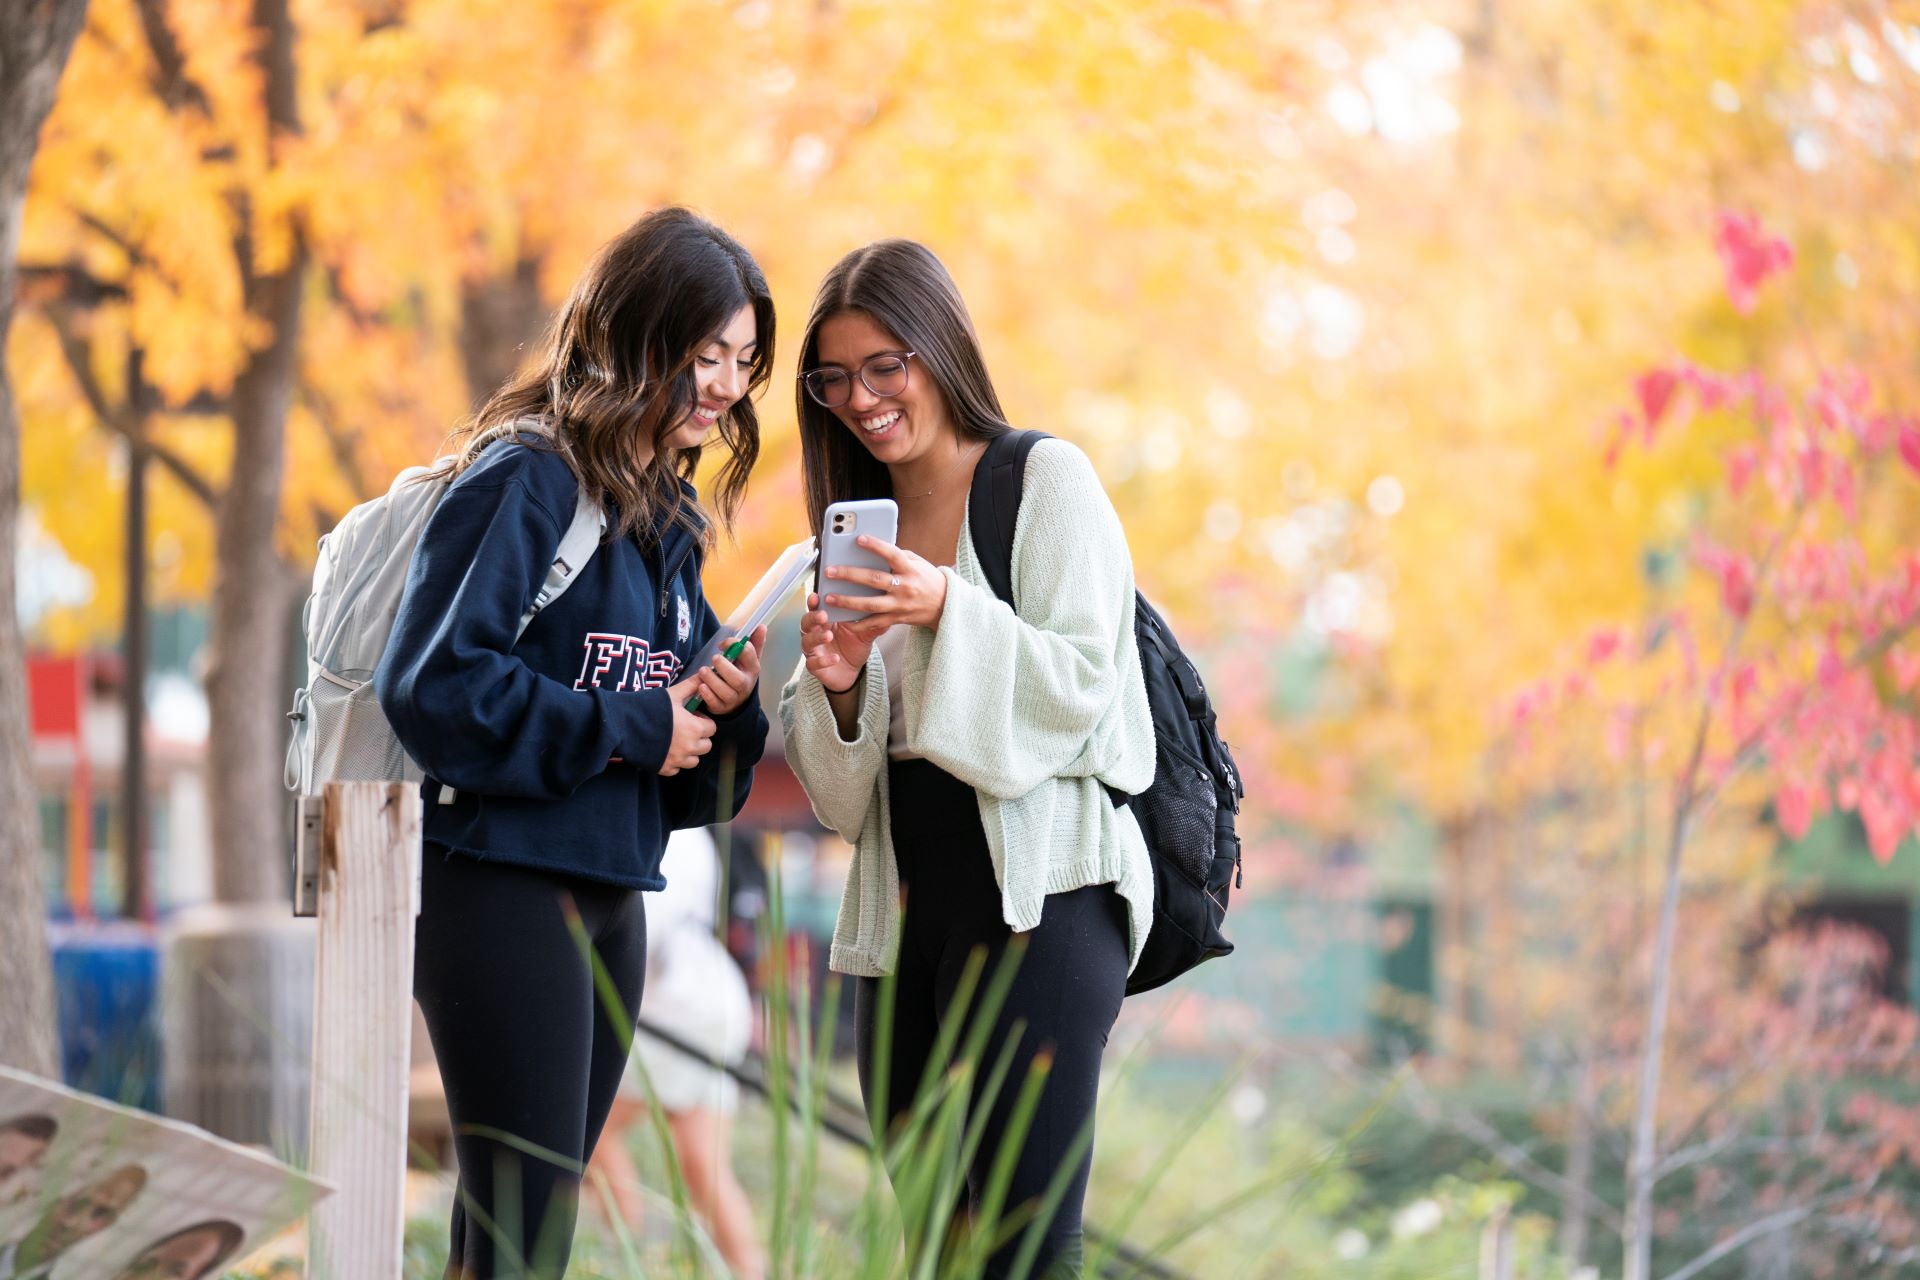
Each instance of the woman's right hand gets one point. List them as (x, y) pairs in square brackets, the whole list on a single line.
[(692, 732), (836, 653)]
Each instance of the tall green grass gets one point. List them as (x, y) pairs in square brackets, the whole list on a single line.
[(908, 1222)]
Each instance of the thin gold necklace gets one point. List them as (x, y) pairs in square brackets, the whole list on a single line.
[(930, 492)]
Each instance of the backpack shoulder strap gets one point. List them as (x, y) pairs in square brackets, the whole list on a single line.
[(577, 546), (993, 513), (993, 505)]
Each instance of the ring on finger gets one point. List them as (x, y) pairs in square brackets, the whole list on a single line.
[(893, 582)]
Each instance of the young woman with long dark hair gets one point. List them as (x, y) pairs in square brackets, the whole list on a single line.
[(963, 748), (558, 763)]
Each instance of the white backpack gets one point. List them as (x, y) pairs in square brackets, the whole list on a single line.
[(339, 732)]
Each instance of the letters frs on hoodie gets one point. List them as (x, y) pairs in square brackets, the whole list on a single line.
[(620, 663)]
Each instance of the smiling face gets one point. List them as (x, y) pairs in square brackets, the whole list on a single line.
[(897, 429), (92, 1209), (721, 372)]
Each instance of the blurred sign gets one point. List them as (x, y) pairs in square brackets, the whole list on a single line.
[(57, 694), (88, 1188), (57, 689)]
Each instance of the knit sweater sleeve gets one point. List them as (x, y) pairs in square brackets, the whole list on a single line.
[(1005, 701), (839, 776)]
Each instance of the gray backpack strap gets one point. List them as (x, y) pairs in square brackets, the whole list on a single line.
[(581, 540), (577, 546)]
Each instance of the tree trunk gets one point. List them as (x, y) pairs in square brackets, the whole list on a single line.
[(247, 646), (36, 36), (499, 318), (246, 671), (1645, 1156)]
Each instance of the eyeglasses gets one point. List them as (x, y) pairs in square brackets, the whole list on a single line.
[(884, 375)]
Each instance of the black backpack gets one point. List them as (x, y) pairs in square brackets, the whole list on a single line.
[(1187, 814)]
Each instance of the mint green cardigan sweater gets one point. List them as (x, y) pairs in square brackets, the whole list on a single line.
[(1035, 711)]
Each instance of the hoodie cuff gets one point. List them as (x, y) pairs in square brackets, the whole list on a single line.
[(645, 727)]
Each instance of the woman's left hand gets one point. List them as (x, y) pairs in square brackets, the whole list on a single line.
[(915, 590), (725, 685)]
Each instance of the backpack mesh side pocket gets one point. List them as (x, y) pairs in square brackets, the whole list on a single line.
[(351, 739), (1177, 814)]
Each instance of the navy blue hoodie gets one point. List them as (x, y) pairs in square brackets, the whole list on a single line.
[(523, 733)]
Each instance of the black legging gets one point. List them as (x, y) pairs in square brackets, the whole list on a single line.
[(525, 1044), (1067, 991)]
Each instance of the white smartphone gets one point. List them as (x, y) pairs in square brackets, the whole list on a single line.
[(845, 521)]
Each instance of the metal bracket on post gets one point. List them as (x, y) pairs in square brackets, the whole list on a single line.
[(309, 817)]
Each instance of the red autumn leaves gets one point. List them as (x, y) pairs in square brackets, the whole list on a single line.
[(1813, 688), (1749, 256)]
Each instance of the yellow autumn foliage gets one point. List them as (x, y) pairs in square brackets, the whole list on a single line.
[(1341, 299)]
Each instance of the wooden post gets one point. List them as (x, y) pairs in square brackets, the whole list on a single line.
[(362, 1025), (1496, 1246)]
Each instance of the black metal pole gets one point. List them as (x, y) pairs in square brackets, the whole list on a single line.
[(136, 880)]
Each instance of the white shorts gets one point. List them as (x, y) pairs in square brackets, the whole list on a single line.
[(699, 996)]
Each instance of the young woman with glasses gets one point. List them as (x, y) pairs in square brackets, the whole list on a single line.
[(558, 762), (962, 748)]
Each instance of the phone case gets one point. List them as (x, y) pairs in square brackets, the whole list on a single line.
[(845, 521)]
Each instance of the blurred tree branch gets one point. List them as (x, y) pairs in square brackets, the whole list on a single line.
[(1421, 1102), (170, 80), (122, 419), (1766, 1226)]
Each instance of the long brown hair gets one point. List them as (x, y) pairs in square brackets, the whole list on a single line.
[(907, 292), (618, 367)]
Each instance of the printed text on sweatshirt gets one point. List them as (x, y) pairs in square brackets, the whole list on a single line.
[(523, 732)]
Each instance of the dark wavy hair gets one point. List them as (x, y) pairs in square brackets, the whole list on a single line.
[(35, 1125), (905, 290), (618, 367)]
